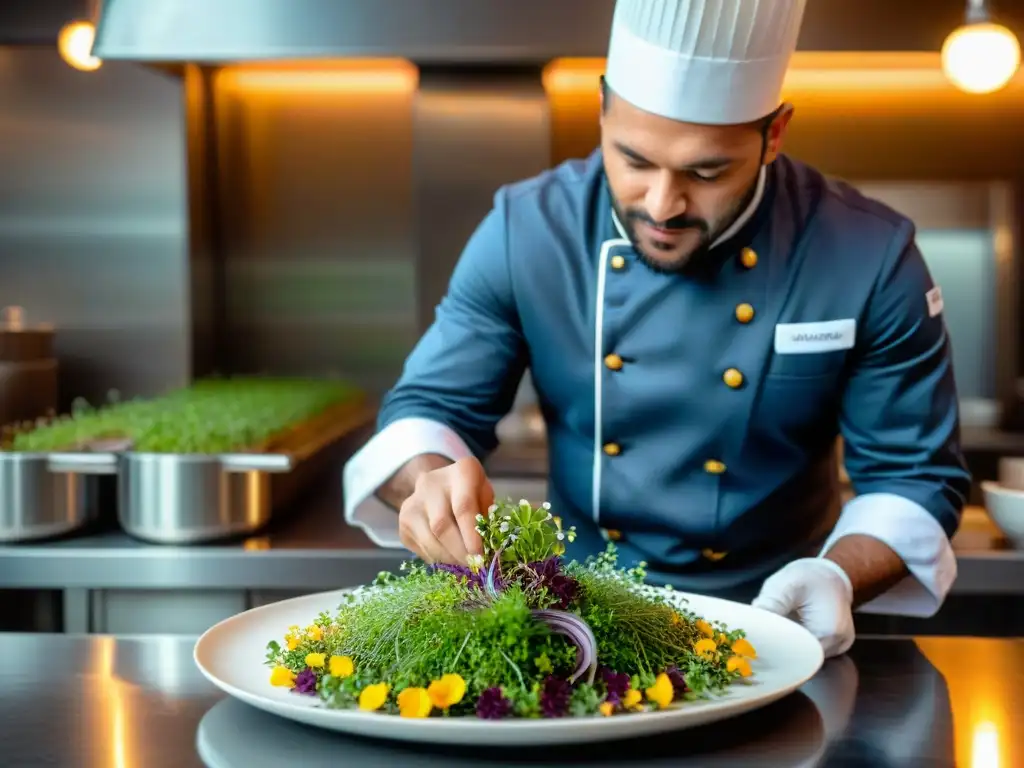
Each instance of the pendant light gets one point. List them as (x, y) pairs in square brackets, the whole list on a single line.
[(980, 56)]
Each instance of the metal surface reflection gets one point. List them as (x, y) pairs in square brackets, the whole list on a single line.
[(785, 735), (121, 702)]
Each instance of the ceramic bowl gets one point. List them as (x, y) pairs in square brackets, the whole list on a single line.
[(1005, 506)]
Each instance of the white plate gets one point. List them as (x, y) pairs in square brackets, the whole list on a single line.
[(231, 655)]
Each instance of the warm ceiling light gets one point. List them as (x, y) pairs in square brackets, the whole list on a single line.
[(980, 56), (75, 45)]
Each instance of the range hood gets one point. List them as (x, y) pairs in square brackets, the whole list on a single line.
[(428, 31)]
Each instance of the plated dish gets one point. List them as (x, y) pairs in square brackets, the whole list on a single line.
[(517, 632)]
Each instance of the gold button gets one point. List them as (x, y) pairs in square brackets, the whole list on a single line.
[(748, 257), (714, 467), (732, 378), (613, 535), (614, 362), (744, 313), (612, 449), (712, 555), (618, 262)]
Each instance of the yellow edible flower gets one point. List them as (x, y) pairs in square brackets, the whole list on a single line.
[(739, 664), (606, 708), (722, 639), (662, 692), (372, 697), (315, 660), (742, 647), (632, 699), (705, 628), (293, 643), (675, 618), (341, 666), (283, 677), (414, 702), (705, 648), (447, 691), (315, 633)]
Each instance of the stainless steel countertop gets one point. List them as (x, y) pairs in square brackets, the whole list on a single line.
[(310, 547), (80, 701)]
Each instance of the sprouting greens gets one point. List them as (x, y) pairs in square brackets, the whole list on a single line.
[(211, 416), (516, 632)]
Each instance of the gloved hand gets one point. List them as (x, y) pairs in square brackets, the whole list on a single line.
[(817, 593)]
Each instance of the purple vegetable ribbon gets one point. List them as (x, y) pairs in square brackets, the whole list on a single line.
[(577, 630)]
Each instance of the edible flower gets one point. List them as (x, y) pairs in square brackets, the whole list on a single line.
[(306, 681), (742, 647), (676, 618), (632, 699), (414, 702), (315, 660), (447, 691), (705, 648), (616, 683), (705, 628), (282, 677), (606, 708), (372, 697), (678, 680), (739, 664), (662, 692), (341, 666), (315, 633), (554, 697), (492, 704)]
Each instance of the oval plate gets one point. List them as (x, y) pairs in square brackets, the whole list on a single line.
[(231, 655)]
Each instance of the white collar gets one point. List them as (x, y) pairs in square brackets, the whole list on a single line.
[(742, 219)]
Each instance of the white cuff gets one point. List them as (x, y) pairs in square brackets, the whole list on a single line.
[(383, 455), (913, 534)]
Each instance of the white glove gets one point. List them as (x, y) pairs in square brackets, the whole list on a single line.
[(817, 593)]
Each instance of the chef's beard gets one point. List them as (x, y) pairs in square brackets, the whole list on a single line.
[(629, 217)]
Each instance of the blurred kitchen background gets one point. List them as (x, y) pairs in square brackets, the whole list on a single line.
[(251, 186)]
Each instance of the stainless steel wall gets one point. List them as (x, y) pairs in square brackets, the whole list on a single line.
[(346, 193), (315, 194), (93, 225)]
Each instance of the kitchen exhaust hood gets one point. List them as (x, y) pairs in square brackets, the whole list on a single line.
[(427, 31)]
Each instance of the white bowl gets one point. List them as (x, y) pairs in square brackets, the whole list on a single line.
[(1005, 506)]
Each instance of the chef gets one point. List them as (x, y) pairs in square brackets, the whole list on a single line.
[(702, 317)]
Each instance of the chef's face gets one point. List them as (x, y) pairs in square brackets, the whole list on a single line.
[(677, 186)]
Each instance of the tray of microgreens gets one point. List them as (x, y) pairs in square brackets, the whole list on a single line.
[(216, 416), (519, 632)]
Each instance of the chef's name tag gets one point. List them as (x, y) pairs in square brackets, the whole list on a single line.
[(807, 338)]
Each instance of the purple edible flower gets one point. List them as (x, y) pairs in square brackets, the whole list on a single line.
[(678, 681), (549, 575), (492, 705), (554, 697), (305, 681), (616, 683)]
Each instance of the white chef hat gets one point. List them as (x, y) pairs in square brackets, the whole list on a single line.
[(715, 62)]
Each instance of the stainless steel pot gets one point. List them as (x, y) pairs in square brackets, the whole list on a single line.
[(189, 499), (37, 503)]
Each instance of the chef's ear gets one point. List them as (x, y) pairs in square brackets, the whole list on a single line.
[(775, 132)]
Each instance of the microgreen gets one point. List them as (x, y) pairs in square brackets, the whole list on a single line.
[(211, 416), (516, 632)]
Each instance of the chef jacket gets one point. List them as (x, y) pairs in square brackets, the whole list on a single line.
[(692, 417)]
